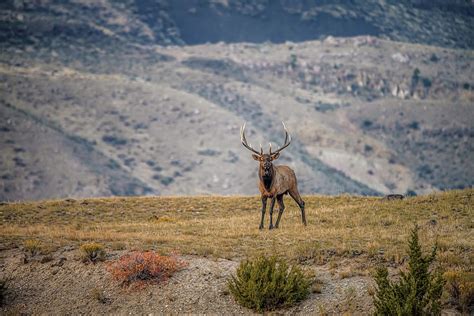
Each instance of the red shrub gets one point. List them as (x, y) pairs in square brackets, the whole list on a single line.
[(145, 267)]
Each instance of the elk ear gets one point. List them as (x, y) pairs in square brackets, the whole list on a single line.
[(256, 157), (275, 156)]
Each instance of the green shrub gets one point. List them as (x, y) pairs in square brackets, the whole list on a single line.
[(92, 252), (268, 283), (418, 291)]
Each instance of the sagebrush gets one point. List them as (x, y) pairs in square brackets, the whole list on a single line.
[(32, 246), (93, 252), (143, 267), (418, 291), (268, 283)]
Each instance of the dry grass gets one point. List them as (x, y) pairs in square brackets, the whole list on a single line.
[(92, 252), (32, 246), (364, 228)]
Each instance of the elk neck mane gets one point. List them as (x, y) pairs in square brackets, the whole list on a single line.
[(267, 180)]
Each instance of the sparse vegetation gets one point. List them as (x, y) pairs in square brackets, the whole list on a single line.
[(92, 252), (434, 58), (350, 296), (142, 267), (119, 245), (415, 78), (114, 140), (306, 253), (426, 82), (317, 285), (268, 283), (208, 152), (213, 226), (460, 287), (32, 247), (419, 290), (99, 296)]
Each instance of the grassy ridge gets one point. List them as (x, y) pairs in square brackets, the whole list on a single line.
[(366, 228)]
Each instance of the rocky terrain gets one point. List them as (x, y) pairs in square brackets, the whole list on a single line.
[(105, 98), (446, 23), (40, 288)]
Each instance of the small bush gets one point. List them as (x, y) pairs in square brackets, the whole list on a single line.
[(99, 296), (434, 58), (418, 292), (32, 246), (426, 82), (145, 267), (92, 252), (114, 140), (460, 286), (268, 283), (317, 286)]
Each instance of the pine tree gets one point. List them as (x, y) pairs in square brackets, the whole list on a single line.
[(418, 292)]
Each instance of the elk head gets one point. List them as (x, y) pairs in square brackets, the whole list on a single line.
[(265, 160)]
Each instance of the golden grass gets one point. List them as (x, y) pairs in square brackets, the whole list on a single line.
[(364, 228)]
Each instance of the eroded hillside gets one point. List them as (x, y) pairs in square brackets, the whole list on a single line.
[(367, 116), (91, 106)]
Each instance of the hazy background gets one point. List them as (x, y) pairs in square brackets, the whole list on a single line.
[(137, 97)]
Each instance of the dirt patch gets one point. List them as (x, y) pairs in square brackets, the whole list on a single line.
[(65, 285)]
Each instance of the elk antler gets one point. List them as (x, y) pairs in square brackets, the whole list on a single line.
[(287, 141), (244, 142)]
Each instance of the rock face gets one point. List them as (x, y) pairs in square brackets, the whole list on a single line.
[(91, 106)]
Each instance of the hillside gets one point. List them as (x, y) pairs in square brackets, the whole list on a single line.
[(346, 237), (446, 23), (104, 98), (361, 121)]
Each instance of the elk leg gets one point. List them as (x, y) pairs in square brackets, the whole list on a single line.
[(272, 204), (281, 208), (296, 196), (264, 207)]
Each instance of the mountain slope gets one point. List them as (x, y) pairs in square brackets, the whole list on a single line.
[(107, 23), (169, 118), (91, 106)]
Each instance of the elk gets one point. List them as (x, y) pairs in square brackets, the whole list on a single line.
[(275, 181)]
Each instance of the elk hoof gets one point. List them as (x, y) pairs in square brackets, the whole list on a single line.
[(270, 227), (260, 227)]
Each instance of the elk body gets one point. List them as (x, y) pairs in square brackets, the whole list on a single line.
[(275, 181)]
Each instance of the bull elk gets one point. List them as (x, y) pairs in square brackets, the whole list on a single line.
[(275, 181)]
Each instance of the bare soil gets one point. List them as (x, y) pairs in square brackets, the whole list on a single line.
[(65, 285)]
